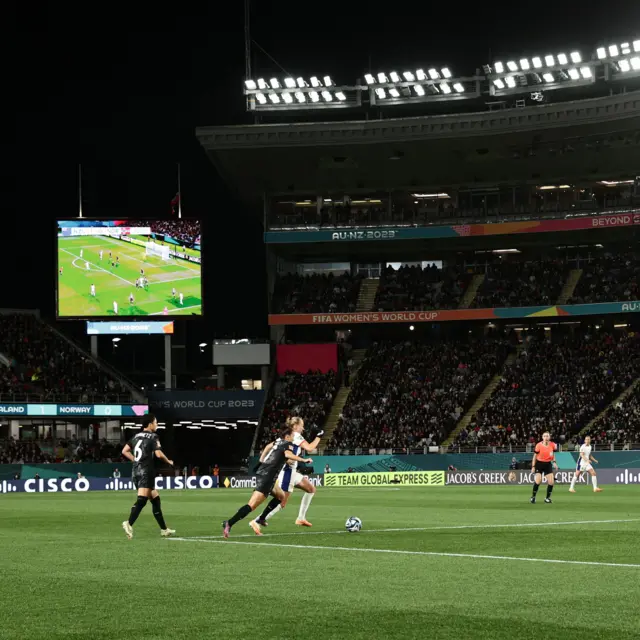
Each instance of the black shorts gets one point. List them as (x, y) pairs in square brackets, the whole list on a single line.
[(265, 484), (144, 479), (545, 468)]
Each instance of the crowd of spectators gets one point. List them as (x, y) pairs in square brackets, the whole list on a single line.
[(410, 395), (558, 383), (610, 278), (308, 395), (511, 283), (35, 359), (185, 230), (64, 450), (620, 425), (413, 288), (316, 293)]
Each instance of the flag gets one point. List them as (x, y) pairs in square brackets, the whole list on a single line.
[(175, 203)]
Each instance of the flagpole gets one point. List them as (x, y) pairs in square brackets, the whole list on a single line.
[(179, 194), (79, 191)]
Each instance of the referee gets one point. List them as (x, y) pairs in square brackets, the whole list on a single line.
[(543, 464), (266, 477)]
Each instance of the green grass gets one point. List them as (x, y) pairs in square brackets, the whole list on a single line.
[(116, 283), (69, 572)]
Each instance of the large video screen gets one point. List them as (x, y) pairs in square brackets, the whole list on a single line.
[(110, 268)]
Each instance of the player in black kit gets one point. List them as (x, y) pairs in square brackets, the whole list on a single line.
[(266, 477), (143, 450)]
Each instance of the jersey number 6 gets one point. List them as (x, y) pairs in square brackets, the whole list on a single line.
[(137, 450)]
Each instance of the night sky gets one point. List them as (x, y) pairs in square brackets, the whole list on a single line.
[(121, 91)]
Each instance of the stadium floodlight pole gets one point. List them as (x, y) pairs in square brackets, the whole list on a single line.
[(79, 191)]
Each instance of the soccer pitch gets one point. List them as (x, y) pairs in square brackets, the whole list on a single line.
[(453, 563), (117, 283)]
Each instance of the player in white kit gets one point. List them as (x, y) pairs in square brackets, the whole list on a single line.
[(101, 254), (290, 477), (181, 299), (115, 307), (81, 253), (584, 465), (93, 290)]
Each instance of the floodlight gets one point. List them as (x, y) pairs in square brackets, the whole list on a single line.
[(499, 83), (394, 93), (433, 74), (421, 75), (586, 72), (625, 49), (458, 87), (613, 50), (419, 89), (290, 83), (274, 83), (511, 82), (636, 46), (445, 88), (301, 83), (262, 83), (549, 61), (574, 74), (498, 67), (624, 65), (261, 98), (576, 58), (635, 63), (327, 96), (512, 66), (369, 79), (327, 81), (274, 97), (341, 96), (315, 97), (380, 92), (524, 64), (537, 62), (446, 73), (250, 84), (602, 53), (286, 96), (394, 77), (562, 58), (315, 82), (408, 76), (300, 97), (382, 78), (548, 77)]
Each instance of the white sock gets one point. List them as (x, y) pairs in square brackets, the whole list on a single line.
[(594, 481), (304, 505), (573, 481), (273, 513)]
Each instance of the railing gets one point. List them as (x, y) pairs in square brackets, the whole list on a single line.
[(288, 222), (77, 398)]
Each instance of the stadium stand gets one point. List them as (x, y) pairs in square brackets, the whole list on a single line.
[(556, 384), (612, 277), (620, 425), (316, 293), (412, 288), (36, 360), (410, 395), (513, 283), (63, 451), (185, 229), (307, 395)]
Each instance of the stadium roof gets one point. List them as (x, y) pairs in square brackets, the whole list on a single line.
[(576, 140)]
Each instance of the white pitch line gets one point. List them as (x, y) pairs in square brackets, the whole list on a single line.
[(437, 554), (442, 528), (98, 267), (179, 279), (159, 313)]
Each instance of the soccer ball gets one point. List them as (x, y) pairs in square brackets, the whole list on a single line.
[(353, 524)]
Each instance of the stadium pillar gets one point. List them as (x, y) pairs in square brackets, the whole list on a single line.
[(94, 346), (14, 429), (167, 362), (220, 377)]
